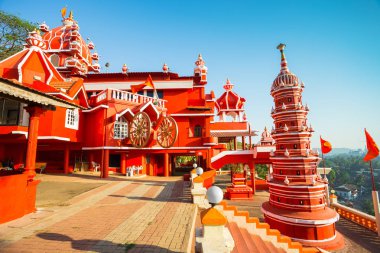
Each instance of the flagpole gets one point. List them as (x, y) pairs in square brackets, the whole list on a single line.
[(323, 160), (373, 178), (375, 200), (325, 177)]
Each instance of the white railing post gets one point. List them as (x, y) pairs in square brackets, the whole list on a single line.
[(375, 199)]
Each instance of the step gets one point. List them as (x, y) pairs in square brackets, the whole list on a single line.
[(260, 244), (240, 244), (248, 240), (272, 248)]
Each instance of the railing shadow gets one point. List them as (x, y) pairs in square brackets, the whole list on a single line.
[(99, 245)]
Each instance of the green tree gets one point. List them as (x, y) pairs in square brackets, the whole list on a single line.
[(262, 170), (13, 32), (332, 176)]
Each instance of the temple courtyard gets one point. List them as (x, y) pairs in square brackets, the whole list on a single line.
[(81, 212)]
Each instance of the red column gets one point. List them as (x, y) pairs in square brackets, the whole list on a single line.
[(31, 150), (104, 168), (166, 164), (252, 168), (123, 163), (243, 142), (66, 160)]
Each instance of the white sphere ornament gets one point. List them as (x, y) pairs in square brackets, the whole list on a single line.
[(199, 171), (214, 195), (195, 165)]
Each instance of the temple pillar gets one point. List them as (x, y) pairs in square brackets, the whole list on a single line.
[(166, 164), (250, 142), (31, 150), (123, 163), (105, 169), (243, 142), (235, 143), (253, 171), (66, 160)]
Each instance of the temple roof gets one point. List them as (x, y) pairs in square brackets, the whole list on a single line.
[(31, 67), (65, 40)]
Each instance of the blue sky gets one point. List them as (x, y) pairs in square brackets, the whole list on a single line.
[(333, 46)]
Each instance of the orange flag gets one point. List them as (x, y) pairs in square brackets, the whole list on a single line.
[(373, 149), (138, 87), (325, 146), (63, 12)]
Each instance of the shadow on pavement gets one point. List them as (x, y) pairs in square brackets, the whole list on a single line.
[(100, 245)]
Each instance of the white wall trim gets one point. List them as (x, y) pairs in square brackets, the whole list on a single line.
[(301, 221), (95, 108), (191, 114), (149, 148), (102, 85)]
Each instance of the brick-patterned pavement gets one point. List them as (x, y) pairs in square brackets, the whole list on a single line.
[(142, 215)]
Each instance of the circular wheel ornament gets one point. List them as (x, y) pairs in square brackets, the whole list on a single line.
[(139, 130), (167, 132)]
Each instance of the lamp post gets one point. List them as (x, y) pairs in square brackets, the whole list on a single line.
[(214, 195), (199, 171)]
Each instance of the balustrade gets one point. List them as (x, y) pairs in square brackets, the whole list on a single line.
[(129, 97), (363, 219)]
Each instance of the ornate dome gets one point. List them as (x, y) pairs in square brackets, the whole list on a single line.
[(229, 100), (73, 53), (285, 77)]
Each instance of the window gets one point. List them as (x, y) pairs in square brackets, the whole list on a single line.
[(72, 118), (120, 130), (298, 172), (198, 131), (289, 99), (295, 146), (54, 59), (301, 202)]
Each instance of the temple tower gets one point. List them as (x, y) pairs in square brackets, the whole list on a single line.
[(67, 50), (297, 204), (200, 71)]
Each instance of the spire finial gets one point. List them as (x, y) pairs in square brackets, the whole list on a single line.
[(71, 15), (284, 64)]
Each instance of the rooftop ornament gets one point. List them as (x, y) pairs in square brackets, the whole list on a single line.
[(165, 68), (124, 69)]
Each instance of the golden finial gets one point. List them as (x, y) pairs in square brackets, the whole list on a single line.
[(71, 15), (281, 46)]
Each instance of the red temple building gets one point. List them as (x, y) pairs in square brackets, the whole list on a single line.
[(111, 127), (297, 204)]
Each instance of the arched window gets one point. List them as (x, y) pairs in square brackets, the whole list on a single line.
[(120, 130), (54, 59), (197, 131)]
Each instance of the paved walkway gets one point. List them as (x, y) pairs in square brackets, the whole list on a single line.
[(143, 215)]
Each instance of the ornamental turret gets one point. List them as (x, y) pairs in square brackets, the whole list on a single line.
[(297, 204), (230, 104), (200, 70)]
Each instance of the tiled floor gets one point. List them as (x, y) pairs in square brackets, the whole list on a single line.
[(143, 215)]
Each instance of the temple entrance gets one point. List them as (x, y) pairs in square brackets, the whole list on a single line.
[(183, 164)]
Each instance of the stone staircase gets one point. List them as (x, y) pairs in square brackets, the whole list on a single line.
[(251, 235)]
